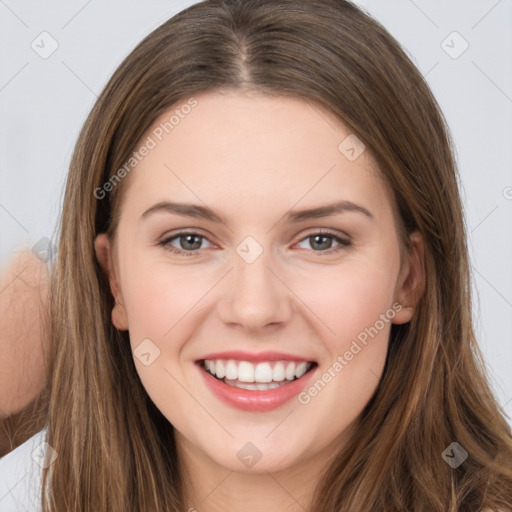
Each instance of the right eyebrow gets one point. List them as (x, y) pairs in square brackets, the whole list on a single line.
[(188, 210)]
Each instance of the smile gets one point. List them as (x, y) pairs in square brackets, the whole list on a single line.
[(256, 387), (261, 376)]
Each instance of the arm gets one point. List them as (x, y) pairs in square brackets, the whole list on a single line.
[(24, 348)]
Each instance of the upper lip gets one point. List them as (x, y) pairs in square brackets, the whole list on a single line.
[(241, 355)]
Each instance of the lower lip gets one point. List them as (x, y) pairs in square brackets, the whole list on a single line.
[(255, 401)]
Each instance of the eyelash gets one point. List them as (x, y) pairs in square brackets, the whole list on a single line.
[(343, 243)]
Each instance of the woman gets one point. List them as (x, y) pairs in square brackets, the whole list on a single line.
[(261, 299)]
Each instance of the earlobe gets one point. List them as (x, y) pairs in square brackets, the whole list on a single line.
[(104, 256), (411, 282)]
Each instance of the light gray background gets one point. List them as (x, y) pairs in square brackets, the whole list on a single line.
[(44, 102)]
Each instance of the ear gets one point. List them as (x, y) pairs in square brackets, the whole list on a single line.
[(411, 280), (105, 259)]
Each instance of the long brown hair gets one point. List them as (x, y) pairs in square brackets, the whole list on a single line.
[(117, 452)]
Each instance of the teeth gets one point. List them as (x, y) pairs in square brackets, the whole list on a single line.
[(219, 369), (278, 372), (253, 387), (264, 373), (245, 372), (290, 371), (231, 370), (302, 368)]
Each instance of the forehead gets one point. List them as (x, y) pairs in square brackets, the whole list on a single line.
[(231, 148)]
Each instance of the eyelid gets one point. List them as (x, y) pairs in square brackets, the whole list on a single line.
[(326, 231), (311, 231), (343, 240), (184, 232)]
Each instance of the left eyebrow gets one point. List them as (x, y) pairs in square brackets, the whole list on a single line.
[(325, 211)]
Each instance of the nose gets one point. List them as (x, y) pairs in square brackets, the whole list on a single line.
[(255, 296)]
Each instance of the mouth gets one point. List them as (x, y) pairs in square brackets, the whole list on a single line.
[(261, 376)]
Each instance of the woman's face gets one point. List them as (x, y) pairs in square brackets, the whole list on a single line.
[(257, 234)]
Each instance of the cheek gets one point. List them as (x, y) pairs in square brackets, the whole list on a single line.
[(160, 302), (158, 296), (347, 299), (357, 308)]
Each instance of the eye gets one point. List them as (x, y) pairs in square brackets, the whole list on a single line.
[(188, 243), (322, 241)]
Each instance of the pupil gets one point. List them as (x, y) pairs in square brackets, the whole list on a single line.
[(188, 239), (320, 237)]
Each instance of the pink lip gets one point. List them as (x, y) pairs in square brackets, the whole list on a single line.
[(255, 401), (240, 355)]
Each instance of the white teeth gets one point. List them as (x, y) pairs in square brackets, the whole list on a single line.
[(219, 369), (245, 372), (254, 387), (264, 373), (278, 372), (290, 371), (231, 370), (301, 370)]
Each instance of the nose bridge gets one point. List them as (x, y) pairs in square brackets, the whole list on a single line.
[(255, 296)]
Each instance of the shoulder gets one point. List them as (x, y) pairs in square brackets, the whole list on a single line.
[(21, 474)]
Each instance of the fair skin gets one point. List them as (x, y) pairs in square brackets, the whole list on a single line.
[(253, 159), (23, 345)]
